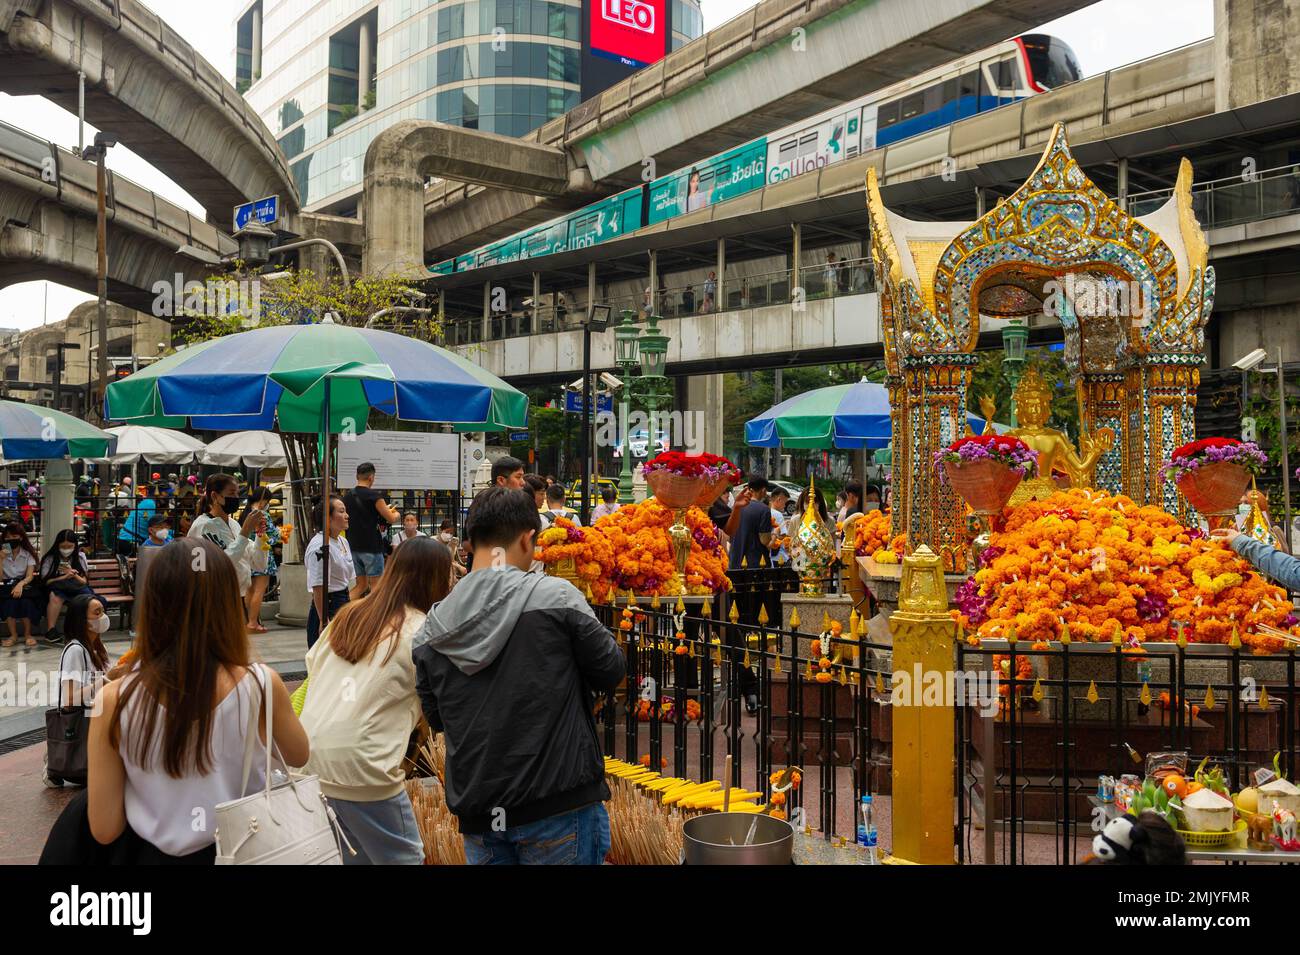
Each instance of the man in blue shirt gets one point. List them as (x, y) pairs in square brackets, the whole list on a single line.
[(135, 528)]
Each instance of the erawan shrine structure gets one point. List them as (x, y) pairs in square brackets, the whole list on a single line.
[(1132, 293)]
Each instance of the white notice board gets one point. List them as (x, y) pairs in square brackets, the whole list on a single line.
[(402, 459)]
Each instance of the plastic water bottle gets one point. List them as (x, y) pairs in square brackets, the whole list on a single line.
[(867, 830)]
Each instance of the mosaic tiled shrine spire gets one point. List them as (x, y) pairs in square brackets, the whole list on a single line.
[(1132, 294)]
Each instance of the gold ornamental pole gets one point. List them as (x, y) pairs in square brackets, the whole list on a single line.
[(924, 731)]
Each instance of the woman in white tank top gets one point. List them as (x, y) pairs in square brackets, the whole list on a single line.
[(168, 745)]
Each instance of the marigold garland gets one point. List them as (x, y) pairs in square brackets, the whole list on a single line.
[(1100, 563), (631, 550)]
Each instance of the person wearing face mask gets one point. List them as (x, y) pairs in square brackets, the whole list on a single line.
[(160, 535), (83, 663), (218, 525), (65, 574), (871, 499), (19, 567), (134, 530)]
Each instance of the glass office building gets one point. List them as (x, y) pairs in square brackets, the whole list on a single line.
[(327, 76)]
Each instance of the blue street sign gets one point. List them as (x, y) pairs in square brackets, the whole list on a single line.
[(265, 211), (519, 435), (573, 403)]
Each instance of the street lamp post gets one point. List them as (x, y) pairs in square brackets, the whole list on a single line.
[(626, 346), (654, 356), (98, 152), (1014, 338)]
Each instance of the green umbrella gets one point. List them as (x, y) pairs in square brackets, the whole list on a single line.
[(34, 433), (256, 380)]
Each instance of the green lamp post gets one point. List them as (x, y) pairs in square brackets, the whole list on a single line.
[(654, 356), (1015, 336), (626, 345)]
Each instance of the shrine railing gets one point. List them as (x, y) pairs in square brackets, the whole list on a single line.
[(683, 707), (1029, 771)]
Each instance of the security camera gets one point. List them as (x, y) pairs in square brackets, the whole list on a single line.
[(1251, 361)]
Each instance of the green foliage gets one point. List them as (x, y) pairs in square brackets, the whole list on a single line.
[(989, 377), (239, 301)]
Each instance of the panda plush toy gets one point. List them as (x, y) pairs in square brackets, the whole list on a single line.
[(1121, 842)]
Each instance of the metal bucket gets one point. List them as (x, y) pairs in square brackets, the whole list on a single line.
[(717, 838)]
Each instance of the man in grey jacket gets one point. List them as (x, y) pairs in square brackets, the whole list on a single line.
[(506, 668)]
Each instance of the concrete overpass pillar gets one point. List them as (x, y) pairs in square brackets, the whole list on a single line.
[(704, 405), (363, 64), (1121, 179), (487, 312), (257, 43), (57, 515), (1256, 51), (400, 158)]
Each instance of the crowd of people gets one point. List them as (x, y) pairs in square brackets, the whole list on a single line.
[(459, 631)]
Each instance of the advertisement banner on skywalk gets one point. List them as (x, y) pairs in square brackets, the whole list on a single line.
[(717, 179)]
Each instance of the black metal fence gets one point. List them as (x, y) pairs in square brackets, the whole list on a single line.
[(684, 707), (1030, 743), (1068, 714)]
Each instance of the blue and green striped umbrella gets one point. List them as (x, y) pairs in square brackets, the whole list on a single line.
[(284, 375), (841, 416), (33, 433)]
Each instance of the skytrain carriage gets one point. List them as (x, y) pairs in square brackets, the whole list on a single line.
[(1004, 73)]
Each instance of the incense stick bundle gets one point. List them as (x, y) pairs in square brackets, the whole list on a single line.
[(439, 830)]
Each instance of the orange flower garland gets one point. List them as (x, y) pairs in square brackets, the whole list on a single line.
[(631, 550), (590, 551), (1101, 565), (871, 533)]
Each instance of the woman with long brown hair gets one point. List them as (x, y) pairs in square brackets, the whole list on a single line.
[(167, 746), (361, 704)]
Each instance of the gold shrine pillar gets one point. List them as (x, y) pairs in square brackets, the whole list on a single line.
[(1160, 409), (924, 714), (936, 404), (1101, 400), (900, 465)]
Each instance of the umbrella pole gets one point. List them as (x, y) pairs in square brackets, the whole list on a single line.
[(325, 514)]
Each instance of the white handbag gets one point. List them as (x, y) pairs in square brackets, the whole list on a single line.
[(286, 824)]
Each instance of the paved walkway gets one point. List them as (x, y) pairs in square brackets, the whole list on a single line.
[(28, 675)]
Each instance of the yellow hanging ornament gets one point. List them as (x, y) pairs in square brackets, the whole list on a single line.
[(1145, 695), (1037, 692), (763, 618), (794, 619), (1263, 698), (1092, 696), (734, 614), (1209, 697)]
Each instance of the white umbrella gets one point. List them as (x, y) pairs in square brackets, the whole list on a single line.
[(153, 445), (253, 449)]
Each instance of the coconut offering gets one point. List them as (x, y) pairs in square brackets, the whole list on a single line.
[(1281, 791), (1207, 811)]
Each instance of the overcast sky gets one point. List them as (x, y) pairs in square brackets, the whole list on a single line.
[(1105, 35)]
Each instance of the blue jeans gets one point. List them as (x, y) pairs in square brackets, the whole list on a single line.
[(580, 837), (383, 832), (368, 565)]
